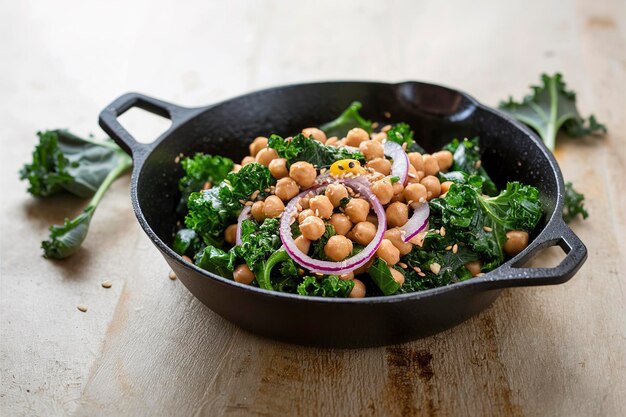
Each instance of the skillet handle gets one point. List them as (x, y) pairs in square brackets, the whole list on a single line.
[(513, 274), (108, 120)]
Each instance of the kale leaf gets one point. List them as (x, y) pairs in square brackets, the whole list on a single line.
[(317, 246), (326, 286), (401, 133), (301, 148), (574, 204), (214, 260), (200, 170), (63, 162), (211, 211), (349, 119), (467, 158), (187, 242), (549, 108), (381, 275)]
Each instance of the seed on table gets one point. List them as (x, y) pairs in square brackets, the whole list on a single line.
[(172, 275), (82, 307), (106, 283)]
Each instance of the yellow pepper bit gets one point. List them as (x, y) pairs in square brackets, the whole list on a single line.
[(345, 166)]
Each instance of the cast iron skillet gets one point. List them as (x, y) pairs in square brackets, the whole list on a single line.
[(437, 114)]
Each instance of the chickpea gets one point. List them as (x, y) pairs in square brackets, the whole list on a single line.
[(266, 155), (394, 235), (416, 193), (474, 267), (278, 168), (372, 149), (372, 219), (398, 194), (357, 210), (257, 144), (347, 277), (356, 136), (415, 158), (338, 248), (336, 193), (317, 134), (230, 234), (388, 253), (312, 228), (303, 244), (258, 211), (431, 166), (321, 206), (286, 189), (341, 223), (413, 175), (381, 165), (304, 214), (444, 160), (383, 190), (379, 137), (274, 206), (516, 241), (433, 187), (247, 160), (397, 276), (303, 173), (363, 269), (332, 141), (236, 168), (397, 214), (304, 202), (358, 291), (243, 274), (445, 186), (364, 232)]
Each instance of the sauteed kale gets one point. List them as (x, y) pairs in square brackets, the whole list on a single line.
[(350, 210)]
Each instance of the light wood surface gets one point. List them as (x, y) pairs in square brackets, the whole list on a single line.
[(147, 347)]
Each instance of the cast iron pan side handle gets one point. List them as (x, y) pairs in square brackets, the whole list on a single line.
[(109, 122), (559, 234)]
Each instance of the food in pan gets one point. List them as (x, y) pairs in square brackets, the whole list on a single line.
[(351, 209)]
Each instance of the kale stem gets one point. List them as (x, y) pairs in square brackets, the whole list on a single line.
[(124, 163)]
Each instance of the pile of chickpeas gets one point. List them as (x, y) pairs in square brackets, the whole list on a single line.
[(354, 223)]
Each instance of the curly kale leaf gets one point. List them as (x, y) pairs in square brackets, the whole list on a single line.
[(551, 107), (63, 162), (214, 260), (317, 246), (326, 286), (349, 119), (200, 170), (211, 211), (574, 204), (301, 148), (187, 242), (467, 159), (401, 133)]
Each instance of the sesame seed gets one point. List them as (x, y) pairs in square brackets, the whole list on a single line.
[(106, 284), (249, 203), (387, 114), (242, 201), (478, 164), (435, 268), (177, 159), (404, 146), (448, 247), (402, 265), (412, 175), (480, 274), (421, 274), (267, 190), (374, 125), (187, 259), (487, 229), (82, 307), (417, 269), (442, 231), (323, 171), (455, 248), (172, 275), (254, 195)]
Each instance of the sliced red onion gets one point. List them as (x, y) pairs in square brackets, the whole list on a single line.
[(400, 166), (417, 222), (327, 267), (245, 213)]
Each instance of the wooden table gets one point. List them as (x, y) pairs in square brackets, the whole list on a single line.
[(147, 347)]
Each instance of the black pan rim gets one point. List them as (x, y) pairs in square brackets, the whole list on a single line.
[(489, 281)]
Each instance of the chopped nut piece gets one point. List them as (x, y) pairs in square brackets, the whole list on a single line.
[(172, 275), (82, 307), (106, 283)]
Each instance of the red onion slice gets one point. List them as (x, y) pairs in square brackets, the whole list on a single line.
[(245, 213), (327, 267), (400, 166), (417, 222)]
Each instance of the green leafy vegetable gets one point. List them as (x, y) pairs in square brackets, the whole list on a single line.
[(66, 239), (214, 260), (349, 119), (211, 211), (551, 107), (187, 242), (381, 275), (199, 170), (317, 246), (467, 158), (327, 286), (63, 162), (574, 204), (401, 133), (301, 148), (287, 278)]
